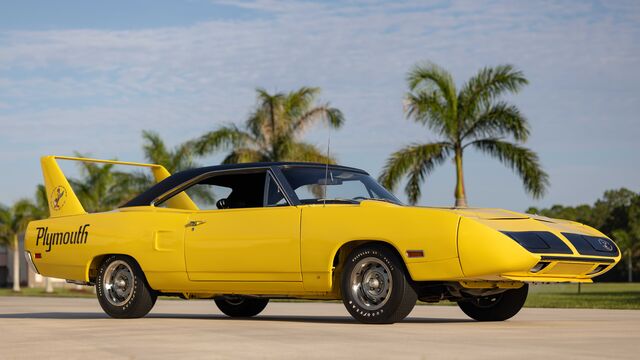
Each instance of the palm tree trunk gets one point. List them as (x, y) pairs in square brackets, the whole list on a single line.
[(16, 263), (48, 285), (461, 196)]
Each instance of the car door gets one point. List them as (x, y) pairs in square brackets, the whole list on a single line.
[(245, 240)]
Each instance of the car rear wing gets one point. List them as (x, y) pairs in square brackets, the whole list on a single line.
[(63, 200)]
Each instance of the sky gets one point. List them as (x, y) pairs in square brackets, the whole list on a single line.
[(90, 77)]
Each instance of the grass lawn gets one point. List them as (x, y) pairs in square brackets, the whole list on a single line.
[(591, 296), (86, 292)]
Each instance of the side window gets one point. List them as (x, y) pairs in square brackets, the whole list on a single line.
[(236, 191), (348, 190), (272, 194), (206, 196)]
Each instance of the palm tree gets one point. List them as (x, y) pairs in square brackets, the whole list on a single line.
[(13, 223), (101, 188), (272, 131), (174, 160), (473, 117)]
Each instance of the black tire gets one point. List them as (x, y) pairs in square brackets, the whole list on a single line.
[(389, 297), (134, 298), (241, 306), (498, 307)]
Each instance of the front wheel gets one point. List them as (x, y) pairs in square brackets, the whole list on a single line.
[(122, 289), (497, 307), (375, 288), (241, 306)]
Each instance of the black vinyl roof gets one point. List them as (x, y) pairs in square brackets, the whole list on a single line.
[(145, 198)]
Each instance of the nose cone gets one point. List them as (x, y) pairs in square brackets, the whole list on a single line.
[(485, 251), (510, 247)]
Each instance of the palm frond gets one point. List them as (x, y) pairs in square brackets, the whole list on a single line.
[(430, 82), (520, 159), (428, 108), (488, 84), (6, 218), (244, 155), (154, 148), (42, 200), (433, 77), (229, 136), (300, 151), (497, 120), (182, 158), (265, 121), (297, 102), (416, 161), (332, 116), (272, 129)]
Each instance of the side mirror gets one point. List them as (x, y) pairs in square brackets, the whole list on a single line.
[(222, 204)]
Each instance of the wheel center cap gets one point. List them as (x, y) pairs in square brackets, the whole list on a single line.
[(374, 283)]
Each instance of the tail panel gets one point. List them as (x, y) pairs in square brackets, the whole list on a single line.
[(62, 200)]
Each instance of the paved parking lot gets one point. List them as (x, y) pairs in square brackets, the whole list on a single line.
[(60, 328)]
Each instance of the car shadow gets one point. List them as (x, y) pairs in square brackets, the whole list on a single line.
[(274, 318)]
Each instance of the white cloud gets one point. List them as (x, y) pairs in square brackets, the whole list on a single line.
[(101, 87)]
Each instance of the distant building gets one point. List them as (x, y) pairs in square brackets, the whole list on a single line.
[(27, 276)]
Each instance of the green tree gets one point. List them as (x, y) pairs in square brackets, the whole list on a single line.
[(272, 132), (101, 188), (177, 159), (617, 214), (156, 152), (581, 213), (13, 223), (41, 203), (619, 211), (473, 117)]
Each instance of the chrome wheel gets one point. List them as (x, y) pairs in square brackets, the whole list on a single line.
[(118, 283), (371, 283)]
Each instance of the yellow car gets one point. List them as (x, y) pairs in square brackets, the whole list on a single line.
[(244, 234)]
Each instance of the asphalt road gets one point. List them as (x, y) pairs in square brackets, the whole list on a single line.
[(61, 328)]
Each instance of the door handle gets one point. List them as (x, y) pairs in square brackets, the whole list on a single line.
[(193, 223)]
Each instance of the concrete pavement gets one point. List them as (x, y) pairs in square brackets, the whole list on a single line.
[(61, 328)]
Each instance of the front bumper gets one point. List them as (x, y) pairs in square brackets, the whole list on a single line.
[(533, 250)]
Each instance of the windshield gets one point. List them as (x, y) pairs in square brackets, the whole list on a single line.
[(315, 185)]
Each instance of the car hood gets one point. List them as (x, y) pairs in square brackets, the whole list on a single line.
[(480, 213), (490, 214)]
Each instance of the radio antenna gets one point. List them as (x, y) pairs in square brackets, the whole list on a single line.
[(326, 172)]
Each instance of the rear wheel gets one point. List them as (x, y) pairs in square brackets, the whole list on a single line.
[(122, 289), (375, 287), (241, 306), (497, 307)]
